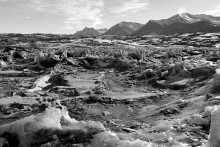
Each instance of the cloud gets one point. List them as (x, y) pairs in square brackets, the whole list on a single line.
[(156, 12), (76, 13), (120, 15), (214, 12), (131, 6)]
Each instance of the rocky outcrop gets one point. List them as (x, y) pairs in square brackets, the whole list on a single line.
[(39, 129)]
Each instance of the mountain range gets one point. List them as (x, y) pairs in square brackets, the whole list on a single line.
[(90, 31), (179, 23)]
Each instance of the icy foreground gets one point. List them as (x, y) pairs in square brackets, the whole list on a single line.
[(55, 122), (214, 137), (38, 130)]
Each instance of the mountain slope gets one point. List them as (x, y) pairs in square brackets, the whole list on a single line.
[(204, 17), (165, 26), (150, 28), (201, 26), (87, 31), (154, 27), (176, 18), (123, 28), (188, 18)]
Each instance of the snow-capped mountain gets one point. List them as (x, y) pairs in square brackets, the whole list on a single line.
[(178, 22)]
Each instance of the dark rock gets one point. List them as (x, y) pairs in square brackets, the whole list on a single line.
[(94, 98)]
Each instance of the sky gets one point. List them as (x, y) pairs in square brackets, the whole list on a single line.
[(69, 16)]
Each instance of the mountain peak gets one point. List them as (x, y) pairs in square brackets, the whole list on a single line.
[(88, 28), (123, 23), (87, 31), (124, 28)]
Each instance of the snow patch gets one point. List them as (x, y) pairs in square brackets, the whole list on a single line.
[(41, 83), (215, 21), (183, 15), (109, 139)]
